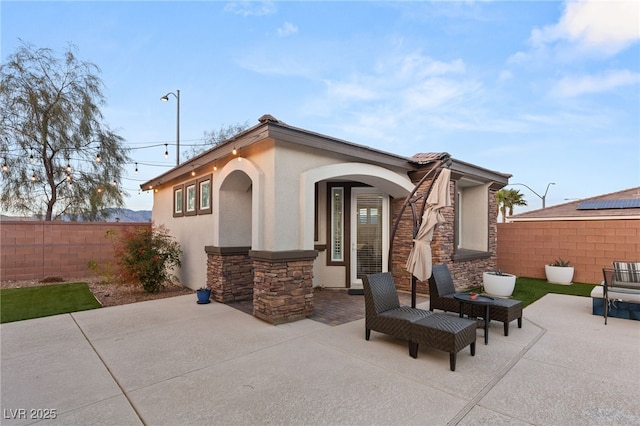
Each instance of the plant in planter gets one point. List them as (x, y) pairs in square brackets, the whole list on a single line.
[(204, 295), (498, 283), (559, 272)]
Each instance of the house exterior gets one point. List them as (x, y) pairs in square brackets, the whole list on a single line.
[(590, 233), (277, 210)]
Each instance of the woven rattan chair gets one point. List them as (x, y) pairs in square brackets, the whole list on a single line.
[(441, 296), (383, 312)]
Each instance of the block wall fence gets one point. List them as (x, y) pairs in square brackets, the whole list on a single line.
[(35, 250), (590, 245)]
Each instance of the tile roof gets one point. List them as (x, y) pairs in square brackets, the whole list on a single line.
[(570, 210)]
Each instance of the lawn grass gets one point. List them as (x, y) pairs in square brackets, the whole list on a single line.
[(528, 290), (34, 302)]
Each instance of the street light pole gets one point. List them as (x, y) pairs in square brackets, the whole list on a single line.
[(542, 197), (165, 98)]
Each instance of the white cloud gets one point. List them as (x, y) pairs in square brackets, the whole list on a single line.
[(576, 86), (604, 26), (287, 29), (251, 8)]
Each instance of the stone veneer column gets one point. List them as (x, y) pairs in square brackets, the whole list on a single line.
[(229, 273), (283, 285)]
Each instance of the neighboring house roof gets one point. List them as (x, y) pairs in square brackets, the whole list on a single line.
[(616, 205), (271, 127)]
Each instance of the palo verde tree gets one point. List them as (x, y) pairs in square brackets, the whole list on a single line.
[(58, 157)]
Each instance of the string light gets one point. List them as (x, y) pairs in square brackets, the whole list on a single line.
[(68, 167), (68, 176), (31, 159), (98, 158), (33, 177), (136, 168), (235, 151), (166, 150), (5, 168), (215, 167)]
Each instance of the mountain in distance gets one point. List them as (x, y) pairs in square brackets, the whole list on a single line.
[(127, 215), (113, 215)]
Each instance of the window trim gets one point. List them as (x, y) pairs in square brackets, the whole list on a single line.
[(178, 189), (330, 234), (194, 197), (200, 182)]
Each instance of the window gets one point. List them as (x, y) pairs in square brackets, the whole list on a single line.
[(471, 217), (191, 196), (178, 201), (204, 195), (337, 224)]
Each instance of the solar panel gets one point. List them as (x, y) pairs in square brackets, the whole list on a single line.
[(631, 203)]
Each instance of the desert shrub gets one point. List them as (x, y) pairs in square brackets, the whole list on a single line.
[(147, 255)]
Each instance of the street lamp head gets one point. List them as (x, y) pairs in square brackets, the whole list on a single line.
[(165, 98)]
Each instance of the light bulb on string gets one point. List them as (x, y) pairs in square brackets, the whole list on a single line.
[(98, 158), (33, 177), (166, 150), (136, 168), (68, 176), (68, 167), (235, 151), (31, 159), (5, 167)]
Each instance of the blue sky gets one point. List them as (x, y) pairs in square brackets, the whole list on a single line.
[(546, 91)]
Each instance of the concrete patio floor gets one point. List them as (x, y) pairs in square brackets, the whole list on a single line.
[(173, 362)]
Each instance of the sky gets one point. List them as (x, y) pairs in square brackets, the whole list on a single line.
[(547, 91)]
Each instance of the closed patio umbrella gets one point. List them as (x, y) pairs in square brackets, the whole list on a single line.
[(419, 262)]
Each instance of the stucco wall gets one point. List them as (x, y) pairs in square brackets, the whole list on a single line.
[(35, 250), (590, 245)]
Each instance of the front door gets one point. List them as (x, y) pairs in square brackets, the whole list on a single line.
[(369, 234)]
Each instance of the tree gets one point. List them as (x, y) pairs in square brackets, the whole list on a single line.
[(59, 158), (508, 199), (216, 137)]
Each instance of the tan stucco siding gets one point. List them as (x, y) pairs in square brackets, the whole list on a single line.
[(193, 233)]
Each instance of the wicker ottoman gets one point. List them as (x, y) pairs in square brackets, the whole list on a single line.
[(503, 310), (444, 332)]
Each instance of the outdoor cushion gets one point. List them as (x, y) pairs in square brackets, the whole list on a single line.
[(627, 271)]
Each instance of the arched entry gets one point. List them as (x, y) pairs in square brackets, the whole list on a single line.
[(237, 230), (353, 225), (234, 210)]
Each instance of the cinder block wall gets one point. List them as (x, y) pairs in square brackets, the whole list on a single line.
[(590, 245), (35, 250)]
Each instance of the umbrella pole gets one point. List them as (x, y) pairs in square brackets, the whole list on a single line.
[(414, 289)]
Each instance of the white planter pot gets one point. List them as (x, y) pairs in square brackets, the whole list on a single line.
[(498, 285), (559, 274)]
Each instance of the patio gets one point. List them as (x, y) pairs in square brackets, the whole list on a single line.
[(172, 361)]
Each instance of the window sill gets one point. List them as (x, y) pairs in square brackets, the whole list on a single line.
[(465, 254)]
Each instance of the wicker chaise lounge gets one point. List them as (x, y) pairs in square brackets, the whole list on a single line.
[(441, 296), (383, 313)]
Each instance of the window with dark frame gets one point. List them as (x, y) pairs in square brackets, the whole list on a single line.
[(178, 201), (204, 195), (191, 198)]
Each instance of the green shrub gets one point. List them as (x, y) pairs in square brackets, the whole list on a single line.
[(147, 255)]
